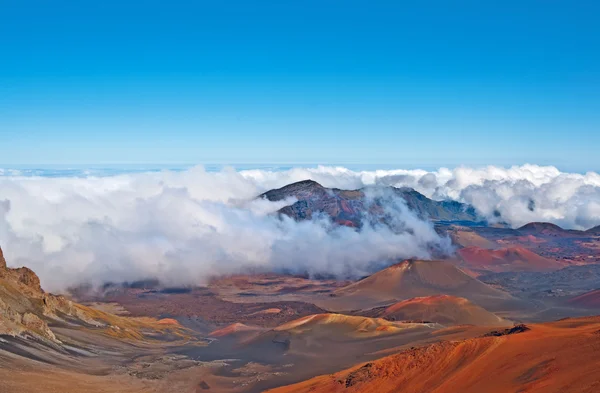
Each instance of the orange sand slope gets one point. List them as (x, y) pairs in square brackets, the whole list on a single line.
[(235, 329), (338, 325), (558, 357)]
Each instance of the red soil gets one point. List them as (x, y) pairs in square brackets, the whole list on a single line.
[(506, 259), (443, 309), (550, 358)]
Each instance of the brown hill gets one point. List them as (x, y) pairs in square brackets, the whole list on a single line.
[(558, 357), (595, 231), (467, 237), (415, 278), (236, 330), (442, 309), (335, 326), (543, 228), (506, 260), (587, 300)]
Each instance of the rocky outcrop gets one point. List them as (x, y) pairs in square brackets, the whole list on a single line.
[(59, 307), (23, 278), (20, 298), (28, 278), (25, 309), (34, 323), (2, 260), (361, 375), (10, 319), (15, 323), (520, 328)]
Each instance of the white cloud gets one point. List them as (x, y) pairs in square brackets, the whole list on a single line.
[(183, 227), (566, 199)]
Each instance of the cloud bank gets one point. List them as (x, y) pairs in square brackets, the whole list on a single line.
[(518, 195), (183, 227)]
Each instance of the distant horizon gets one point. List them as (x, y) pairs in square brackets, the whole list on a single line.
[(242, 166), (108, 169)]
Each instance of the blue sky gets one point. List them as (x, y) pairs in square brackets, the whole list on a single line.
[(406, 84)]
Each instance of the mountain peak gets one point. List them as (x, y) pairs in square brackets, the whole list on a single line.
[(24, 277), (540, 227), (306, 182), (353, 207), (595, 230), (297, 189)]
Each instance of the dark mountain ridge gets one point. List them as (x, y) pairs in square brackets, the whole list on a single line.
[(354, 207)]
